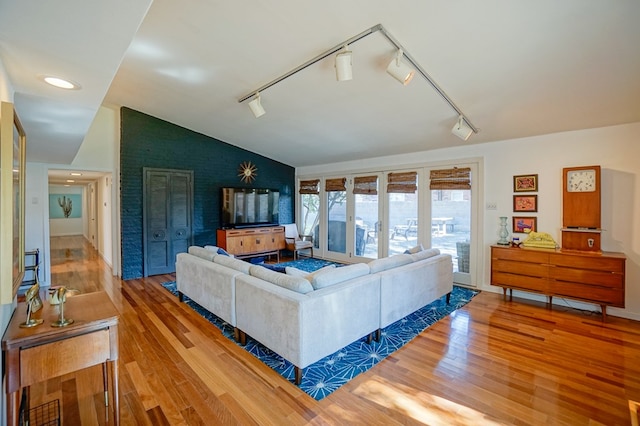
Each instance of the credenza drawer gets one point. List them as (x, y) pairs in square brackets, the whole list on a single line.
[(519, 281), (596, 294), (521, 268), (587, 277), (588, 262), (519, 255)]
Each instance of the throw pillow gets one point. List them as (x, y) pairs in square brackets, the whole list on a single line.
[(414, 250)]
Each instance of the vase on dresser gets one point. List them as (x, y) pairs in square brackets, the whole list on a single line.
[(503, 233)]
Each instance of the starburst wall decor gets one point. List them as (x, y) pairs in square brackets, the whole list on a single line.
[(247, 172)]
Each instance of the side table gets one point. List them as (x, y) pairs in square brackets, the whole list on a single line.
[(37, 354)]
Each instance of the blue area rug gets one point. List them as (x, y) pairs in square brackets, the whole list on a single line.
[(333, 371)]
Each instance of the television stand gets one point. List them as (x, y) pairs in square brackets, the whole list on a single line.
[(252, 242)]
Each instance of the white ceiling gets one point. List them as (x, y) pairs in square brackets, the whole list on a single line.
[(515, 68)]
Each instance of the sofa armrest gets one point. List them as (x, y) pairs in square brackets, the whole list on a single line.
[(209, 284)]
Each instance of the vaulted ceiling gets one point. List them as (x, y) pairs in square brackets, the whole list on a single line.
[(515, 69)]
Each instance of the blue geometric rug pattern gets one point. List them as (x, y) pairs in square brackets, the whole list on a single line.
[(333, 371)]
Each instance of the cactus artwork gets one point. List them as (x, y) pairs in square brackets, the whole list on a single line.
[(66, 205)]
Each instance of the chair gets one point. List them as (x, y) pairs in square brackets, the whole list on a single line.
[(293, 241)]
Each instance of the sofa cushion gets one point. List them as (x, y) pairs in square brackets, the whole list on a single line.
[(338, 275), (218, 250), (233, 263), (425, 254), (202, 253), (297, 284), (414, 250), (389, 262), (309, 276)]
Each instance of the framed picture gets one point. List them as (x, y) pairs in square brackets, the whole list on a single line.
[(12, 159), (525, 203), (520, 223), (525, 183)]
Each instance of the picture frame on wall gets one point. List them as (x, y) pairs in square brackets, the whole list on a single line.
[(520, 223), (525, 203), (525, 183)]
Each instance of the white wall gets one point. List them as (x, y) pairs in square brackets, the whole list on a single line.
[(615, 149)]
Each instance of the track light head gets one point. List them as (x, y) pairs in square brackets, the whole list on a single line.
[(399, 70), (344, 69), (256, 106), (461, 129)]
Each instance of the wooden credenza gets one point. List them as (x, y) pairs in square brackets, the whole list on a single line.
[(589, 277), (250, 242)]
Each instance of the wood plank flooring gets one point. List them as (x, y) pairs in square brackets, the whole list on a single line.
[(492, 362)]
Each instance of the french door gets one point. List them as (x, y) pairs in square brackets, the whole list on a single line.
[(452, 205)]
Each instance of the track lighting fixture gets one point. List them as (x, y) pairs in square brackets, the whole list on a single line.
[(399, 70), (403, 67), (256, 106), (344, 69), (462, 129)]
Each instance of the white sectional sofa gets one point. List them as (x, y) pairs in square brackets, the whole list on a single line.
[(305, 317)]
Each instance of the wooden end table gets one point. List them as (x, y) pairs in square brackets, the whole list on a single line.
[(37, 354)]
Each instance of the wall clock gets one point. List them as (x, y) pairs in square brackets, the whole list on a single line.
[(247, 172), (581, 180), (581, 208)]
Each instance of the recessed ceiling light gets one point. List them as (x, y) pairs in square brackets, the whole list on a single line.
[(70, 180), (75, 174), (60, 82)]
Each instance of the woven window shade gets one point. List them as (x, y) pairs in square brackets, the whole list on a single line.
[(310, 186), (405, 182), (451, 178), (365, 185), (338, 184)]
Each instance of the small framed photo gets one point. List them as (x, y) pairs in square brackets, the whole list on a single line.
[(520, 223), (525, 203), (525, 183)]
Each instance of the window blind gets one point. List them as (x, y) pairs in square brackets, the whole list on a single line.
[(405, 182), (365, 185), (337, 184), (456, 178), (310, 186)]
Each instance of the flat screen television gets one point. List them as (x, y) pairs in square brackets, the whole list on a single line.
[(249, 207)]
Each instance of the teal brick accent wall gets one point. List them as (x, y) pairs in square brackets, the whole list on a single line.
[(147, 141)]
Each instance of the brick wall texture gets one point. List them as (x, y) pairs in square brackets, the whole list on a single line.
[(150, 142)]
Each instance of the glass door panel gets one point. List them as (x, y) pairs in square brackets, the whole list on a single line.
[(367, 213), (336, 235), (451, 218), (403, 211), (310, 218)]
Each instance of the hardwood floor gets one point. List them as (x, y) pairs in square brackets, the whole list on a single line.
[(491, 362)]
